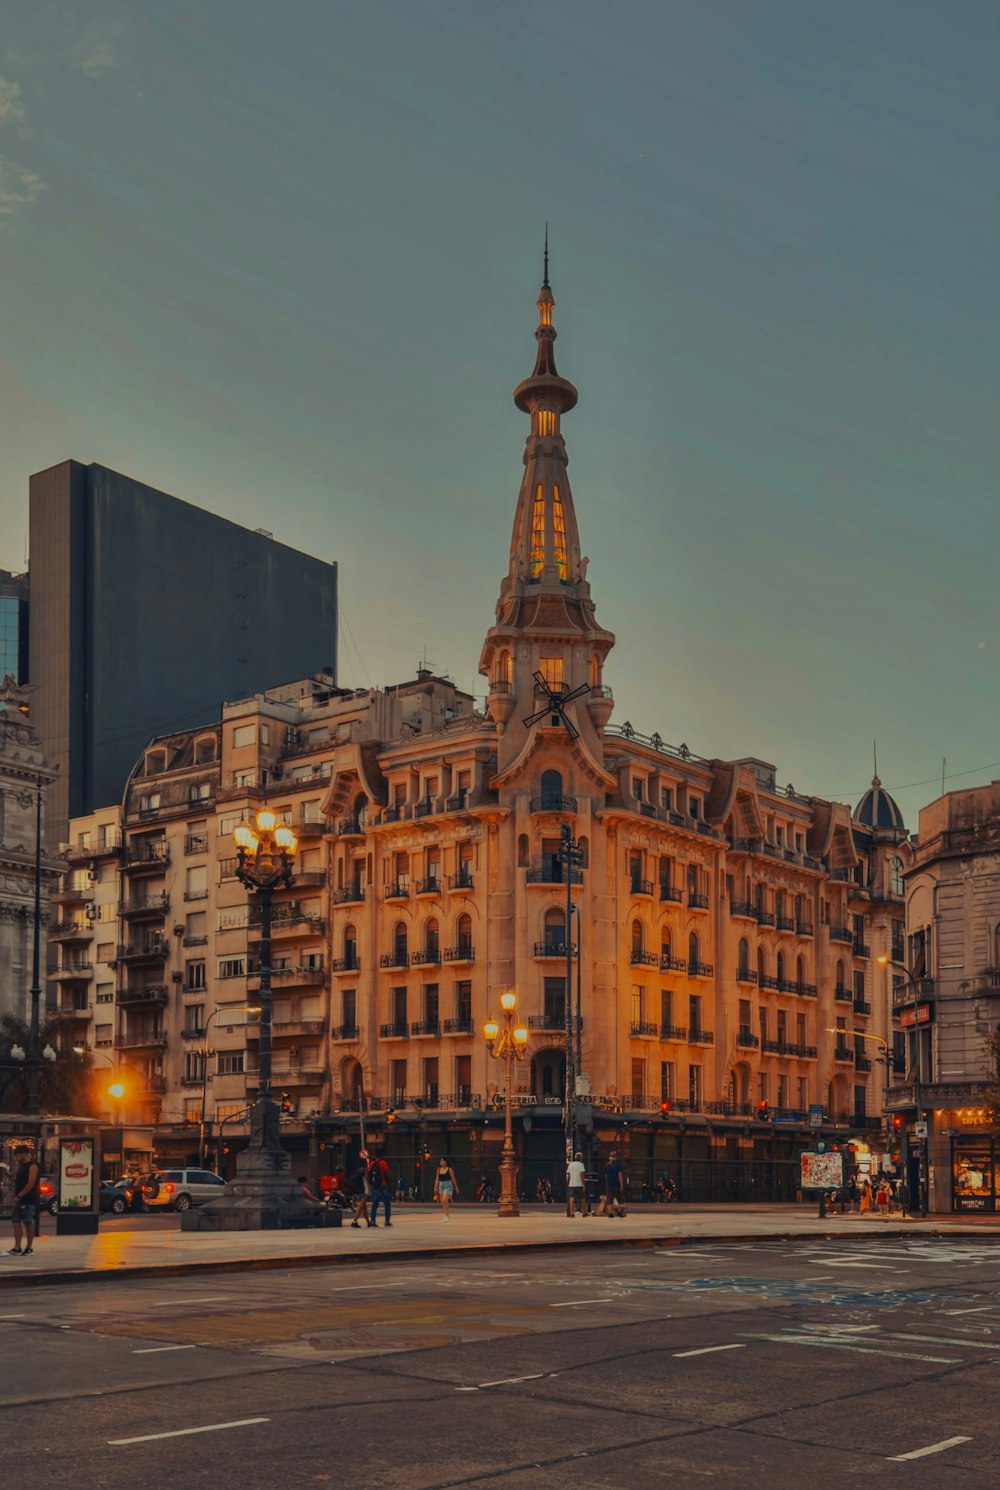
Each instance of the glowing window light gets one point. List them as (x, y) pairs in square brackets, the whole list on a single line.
[(558, 533), (537, 556)]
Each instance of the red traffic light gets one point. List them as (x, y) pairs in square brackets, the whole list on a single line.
[(664, 1109), (897, 1123), (762, 1108)]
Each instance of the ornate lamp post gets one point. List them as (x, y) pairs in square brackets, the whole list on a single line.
[(507, 1045), (265, 855)]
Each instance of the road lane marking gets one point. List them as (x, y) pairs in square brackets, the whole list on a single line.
[(13, 1316), (932, 1448), (832, 1263), (158, 1349), (706, 1350), (826, 1343), (574, 1303), (507, 1381), (979, 1309), (180, 1302), (185, 1432)]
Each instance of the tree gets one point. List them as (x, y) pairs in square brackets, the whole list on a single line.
[(65, 1085)]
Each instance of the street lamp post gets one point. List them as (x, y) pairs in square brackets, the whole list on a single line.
[(884, 960), (265, 854), (507, 1045), (570, 857), (34, 1057)]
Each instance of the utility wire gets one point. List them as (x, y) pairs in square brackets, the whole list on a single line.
[(928, 781)]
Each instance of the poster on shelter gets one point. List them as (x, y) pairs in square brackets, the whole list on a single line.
[(822, 1171), (76, 1174)]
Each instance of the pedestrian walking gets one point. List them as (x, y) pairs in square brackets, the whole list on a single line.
[(614, 1187), (360, 1190), (574, 1184), (866, 1197), (445, 1186), (25, 1204), (882, 1199), (853, 1195), (378, 1178)]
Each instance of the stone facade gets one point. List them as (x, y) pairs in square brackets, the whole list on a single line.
[(22, 770)]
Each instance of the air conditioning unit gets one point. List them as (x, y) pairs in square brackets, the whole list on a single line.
[(91, 912)]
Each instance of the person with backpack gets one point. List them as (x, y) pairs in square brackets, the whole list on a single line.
[(378, 1178)]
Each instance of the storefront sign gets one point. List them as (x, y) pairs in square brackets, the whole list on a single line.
[(76, 1174), (915, 1014)]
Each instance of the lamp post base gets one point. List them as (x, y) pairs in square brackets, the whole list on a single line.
[(508, 1205), (263, 1196)]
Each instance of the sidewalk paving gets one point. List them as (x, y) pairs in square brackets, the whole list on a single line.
[(422, 1232)]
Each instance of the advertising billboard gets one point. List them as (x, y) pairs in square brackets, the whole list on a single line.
[(822, 1171)]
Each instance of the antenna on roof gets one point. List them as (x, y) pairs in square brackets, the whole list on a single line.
[(545, 277)]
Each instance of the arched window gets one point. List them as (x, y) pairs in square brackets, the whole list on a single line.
[(896, 876), (360, 813), (350, 947), (743, 958), (800, 971), (839, 974), (400, 944), (666, 946), (432, 941), (731, 1091), (552, 788), (779, 968), (800, 905), (352, 1083), (694, 950), (637, 938), (463, 936), (555, 929), (761, 966), (522, 851)]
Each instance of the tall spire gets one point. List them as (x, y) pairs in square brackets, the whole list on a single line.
[(545, 275)]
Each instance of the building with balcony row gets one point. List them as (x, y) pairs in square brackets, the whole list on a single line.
[(724, 931)]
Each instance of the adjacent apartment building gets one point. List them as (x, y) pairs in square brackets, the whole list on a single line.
[(146, 612), (725, 999), (946, 1001)]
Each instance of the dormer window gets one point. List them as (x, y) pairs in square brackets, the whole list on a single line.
[(694, 806), (156, 761), (204, 751)]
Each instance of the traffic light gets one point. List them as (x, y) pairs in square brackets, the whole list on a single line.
[(895, 1157), (427, 1153), (390, 1118), (664, 1110), (286, 1102), (762, 1110), (897, 1123)]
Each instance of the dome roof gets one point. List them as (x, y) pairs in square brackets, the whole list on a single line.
[(878, 810)]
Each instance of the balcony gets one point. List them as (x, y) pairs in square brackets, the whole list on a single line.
[(69, 1012), (293, 1076), (803, 928), (73, 889), (460, 1026), (700, 970), (552, 1021), (842, 1053), (196, 843), (311, 825), (746, 975), (763, 918), (644, 1031), (462, 951), (288, 1029), (552, 873), (146, 860), (81, 968), (426, 808), (553, 949), (195, 941), (459, 802), (284, 977), (151, 907), (805, 990), (196, 894), (862, 1063), (673, 1032), (701, 1037), (344, 1032), (784, 923), (862, 949), (842, 994), (398, 890), (840, 933), (392, 959), (429, 885), (639, 886), (426, 957), (347, 964), (460, 881), (553, 803), (638, 958), (144, 952), (155, 993), (350, 827), (71, 931), (860, 1007), (397, 1031), (697, 901), (765, 980), (349, 895), (671, 893), (671, 964), (786, 1047), (743, 908), (78, 853), (136, 1040), (426, 1027), (746, 1040), (908, 993)]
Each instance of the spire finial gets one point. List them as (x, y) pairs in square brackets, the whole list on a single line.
[(875, 759), (545, 276)]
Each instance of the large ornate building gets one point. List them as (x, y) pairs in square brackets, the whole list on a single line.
[(723, 931)]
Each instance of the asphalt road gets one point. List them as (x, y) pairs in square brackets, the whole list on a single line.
[(768, 1366)]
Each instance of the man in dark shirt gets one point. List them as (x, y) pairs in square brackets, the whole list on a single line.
[(25, 1211), (614, 1179)]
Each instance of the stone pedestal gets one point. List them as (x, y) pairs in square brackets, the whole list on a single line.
[(262, 1197)]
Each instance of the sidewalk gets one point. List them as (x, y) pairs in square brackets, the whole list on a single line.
[(422, 1232)]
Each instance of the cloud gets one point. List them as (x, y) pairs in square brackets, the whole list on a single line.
[(19, 187), (11, 103), (97, 58)]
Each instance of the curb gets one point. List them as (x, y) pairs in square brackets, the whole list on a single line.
[(54, 1278)]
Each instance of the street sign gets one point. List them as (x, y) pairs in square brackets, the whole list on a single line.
[(815, 1115), (920, 1130)]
